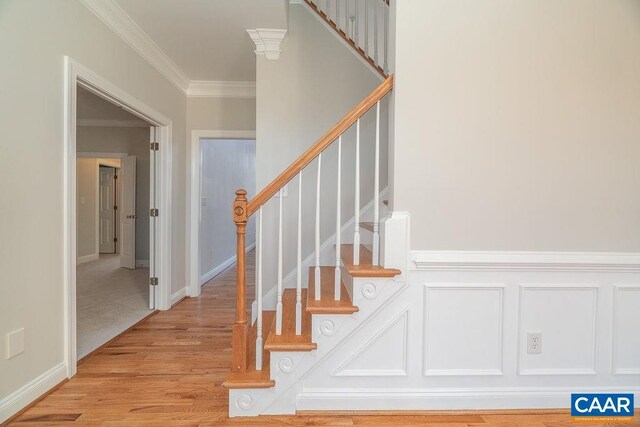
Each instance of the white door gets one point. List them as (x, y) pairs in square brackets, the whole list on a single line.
[(107, 210), (128, 213)]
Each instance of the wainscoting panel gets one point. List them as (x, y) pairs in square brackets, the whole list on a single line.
[(566, 317), (626, 330), (463, 329)]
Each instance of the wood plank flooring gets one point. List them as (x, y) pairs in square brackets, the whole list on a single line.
[(168, 371)]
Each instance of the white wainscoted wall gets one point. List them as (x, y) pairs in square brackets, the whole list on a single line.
[(454, 335)]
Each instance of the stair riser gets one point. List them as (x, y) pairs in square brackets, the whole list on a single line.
[(328, 331)]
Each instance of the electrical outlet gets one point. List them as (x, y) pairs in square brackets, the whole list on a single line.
[(204, 201), (534, 343), (211, 252)]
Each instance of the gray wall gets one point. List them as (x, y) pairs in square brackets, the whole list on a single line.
[(134, 142), (316, 81), (227, 165), (518, 124), (87, 199), (34, 38)]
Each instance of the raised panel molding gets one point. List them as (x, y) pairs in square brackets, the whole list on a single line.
[(393, 339), (625, 331), (469, 303), (562, 315)]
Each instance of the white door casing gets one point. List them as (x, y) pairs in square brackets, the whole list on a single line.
[(107, 213), (153, 219), (128, 213), (76, 74)]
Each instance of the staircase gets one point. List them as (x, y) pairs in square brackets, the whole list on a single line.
[(271, 354)]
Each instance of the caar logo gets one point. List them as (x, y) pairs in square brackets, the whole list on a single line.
[(597, 405)]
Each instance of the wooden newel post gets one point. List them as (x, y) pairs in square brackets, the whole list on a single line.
[(240, 329)]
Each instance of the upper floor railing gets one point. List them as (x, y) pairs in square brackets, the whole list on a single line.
[(363, 24)]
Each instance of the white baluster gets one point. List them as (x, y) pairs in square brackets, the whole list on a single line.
[(317, 269), (346, 16), (338, 14), (356, 227), (376, 191), (259, 296), (386, 36), (366, 27), (356, 38), (375, 32), (338, 279), (299, 263), (327, 9), (279, 300)]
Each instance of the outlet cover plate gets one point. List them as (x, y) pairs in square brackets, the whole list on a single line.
[(534, 343)]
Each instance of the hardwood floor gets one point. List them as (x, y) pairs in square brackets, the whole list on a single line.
[(168, 371)]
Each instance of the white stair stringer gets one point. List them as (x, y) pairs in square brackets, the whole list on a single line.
[(330, 332)]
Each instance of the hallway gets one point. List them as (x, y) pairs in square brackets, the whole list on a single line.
[(168, 370), (110, 299)]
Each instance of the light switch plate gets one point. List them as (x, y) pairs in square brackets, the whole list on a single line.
[(285, 192), (15, 343)]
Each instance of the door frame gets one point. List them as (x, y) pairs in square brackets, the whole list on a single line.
[(77, 74), (194, 189)]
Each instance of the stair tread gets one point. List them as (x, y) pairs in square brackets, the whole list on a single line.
[(327, 304), (253, 378), (288, 340), (366, 267)]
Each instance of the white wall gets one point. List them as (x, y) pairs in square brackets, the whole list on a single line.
[(34, 37), (517, 124), (316, 81), (227, 165), (87, 200), (134, 142)]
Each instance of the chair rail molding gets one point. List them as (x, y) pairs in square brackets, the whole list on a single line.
[(267, 42), (516, 260)]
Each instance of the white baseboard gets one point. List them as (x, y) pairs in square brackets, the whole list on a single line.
[(222, 267), (87, 258), (177, 296), (142, 263), (31, 391), (446, 399)]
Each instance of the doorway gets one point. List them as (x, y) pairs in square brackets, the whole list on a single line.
[(113, 233), (155, 219), (205, 261), (108, 209)]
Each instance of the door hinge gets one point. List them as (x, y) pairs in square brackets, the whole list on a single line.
[(154, 146), (115, 240), (153, 212), (153, 281), (115, 207), (115, 176)]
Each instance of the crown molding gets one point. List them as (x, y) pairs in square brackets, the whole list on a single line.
[(221, 89), (125, 27), (267, 42), (112, 123)]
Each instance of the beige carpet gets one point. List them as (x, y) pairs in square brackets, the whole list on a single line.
[(110, 299)]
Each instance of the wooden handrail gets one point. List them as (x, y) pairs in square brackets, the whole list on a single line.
[(325, 141)]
